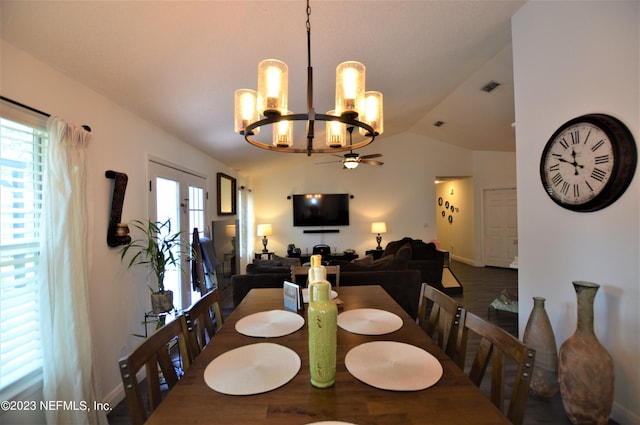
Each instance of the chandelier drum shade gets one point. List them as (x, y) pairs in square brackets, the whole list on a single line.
[(268, 106)]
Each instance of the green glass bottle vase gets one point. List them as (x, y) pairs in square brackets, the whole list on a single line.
[(322, 319)]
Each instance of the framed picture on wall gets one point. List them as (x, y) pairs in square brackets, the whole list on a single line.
[(226, 194)]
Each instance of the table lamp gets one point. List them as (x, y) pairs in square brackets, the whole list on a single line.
[(379, 227), (264, 230)]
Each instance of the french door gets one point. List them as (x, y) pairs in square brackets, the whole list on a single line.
[(179, 196)]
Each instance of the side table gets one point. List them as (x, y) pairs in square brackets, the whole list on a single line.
[(377, 253), (261, 255)]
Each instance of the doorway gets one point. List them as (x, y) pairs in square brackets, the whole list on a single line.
[(500, 227), (178, 195)]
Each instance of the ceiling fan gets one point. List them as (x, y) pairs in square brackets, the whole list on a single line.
[(351, 160)]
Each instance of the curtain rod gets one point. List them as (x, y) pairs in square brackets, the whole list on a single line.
[(37, 111)]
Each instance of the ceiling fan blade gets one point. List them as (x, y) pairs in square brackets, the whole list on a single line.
[(373, 155), (371, 162), (327, 162)]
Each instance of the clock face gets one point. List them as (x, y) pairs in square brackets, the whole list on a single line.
[(588, 162), (578, 164)]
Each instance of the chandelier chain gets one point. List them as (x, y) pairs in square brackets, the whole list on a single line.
[(308, 34)]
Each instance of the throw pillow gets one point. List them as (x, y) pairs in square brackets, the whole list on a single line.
[(404, 253), (367, 259), (257, 268), (423, 251), (286, 261), (267, 263)]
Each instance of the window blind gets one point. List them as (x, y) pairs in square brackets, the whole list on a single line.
[(21, 162)]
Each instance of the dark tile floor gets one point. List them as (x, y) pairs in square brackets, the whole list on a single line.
[(481, 286)]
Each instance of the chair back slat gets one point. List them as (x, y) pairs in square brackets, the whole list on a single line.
[(203, 320), (155, 355), (495, 345), (443, 319)]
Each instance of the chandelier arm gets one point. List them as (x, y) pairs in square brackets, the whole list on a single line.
[(370, 133)]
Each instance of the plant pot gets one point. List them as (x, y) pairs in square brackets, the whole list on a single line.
[(161, 302)]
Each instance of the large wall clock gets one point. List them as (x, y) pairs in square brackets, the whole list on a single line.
[(588, 163)]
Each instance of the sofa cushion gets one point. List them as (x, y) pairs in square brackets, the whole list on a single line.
[(419, 249), (367, 259), (259, 268), (259, 262), (405, 253), (285, 261), (384, 263)]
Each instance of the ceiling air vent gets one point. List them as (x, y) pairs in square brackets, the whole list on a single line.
[(490, 86)]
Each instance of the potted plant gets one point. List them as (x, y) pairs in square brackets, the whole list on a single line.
[(157, 249)]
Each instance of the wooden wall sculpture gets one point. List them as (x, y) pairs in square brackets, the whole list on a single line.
[(117, 233)]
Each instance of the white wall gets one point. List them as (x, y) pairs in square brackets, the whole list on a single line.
[(402, 192), (121, 142), (585, 60)]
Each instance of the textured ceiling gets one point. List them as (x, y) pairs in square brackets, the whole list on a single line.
[(178, 63)]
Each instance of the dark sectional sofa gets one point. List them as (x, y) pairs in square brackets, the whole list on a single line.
[(402, 285), (401, 269)]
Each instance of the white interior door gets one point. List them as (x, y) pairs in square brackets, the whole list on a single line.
[(178, 195), (500, 227)]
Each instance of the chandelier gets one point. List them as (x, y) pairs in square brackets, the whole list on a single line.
[(354, 108)]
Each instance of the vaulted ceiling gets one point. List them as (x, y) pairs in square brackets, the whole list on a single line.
[(178, 63)]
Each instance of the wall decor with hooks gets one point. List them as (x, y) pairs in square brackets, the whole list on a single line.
[(118, 232)]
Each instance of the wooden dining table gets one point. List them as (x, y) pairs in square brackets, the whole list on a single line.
[(454, 399)]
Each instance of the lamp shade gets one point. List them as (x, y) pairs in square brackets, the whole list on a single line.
[(350, 81), (264, 230), (273, 86), (230, 229), (379, 227), (373, 112), (336, 132), (283, 133), (245, 110)]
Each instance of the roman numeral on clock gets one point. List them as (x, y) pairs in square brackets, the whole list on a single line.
[(598, 174), (556, 179), (564, 143), (576, 191), (597, 146), (602, 159), (575, 137)]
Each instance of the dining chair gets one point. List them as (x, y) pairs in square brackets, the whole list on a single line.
[(495, 344), (203, 319), (155, 355), (297, 271), (439, 316)]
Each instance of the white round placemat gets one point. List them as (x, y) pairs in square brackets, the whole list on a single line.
[(270, 324), (395, 366), (252, 369), (369, 321), (305, 295)]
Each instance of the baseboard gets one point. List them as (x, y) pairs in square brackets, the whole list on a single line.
[(468, 261), (115, 396), (623, 415)]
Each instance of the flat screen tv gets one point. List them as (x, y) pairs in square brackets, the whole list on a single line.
[(330, 209)]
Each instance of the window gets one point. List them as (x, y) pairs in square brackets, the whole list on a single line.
[(23, 141)]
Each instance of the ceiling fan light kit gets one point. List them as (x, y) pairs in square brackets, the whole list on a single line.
[(354, 108)]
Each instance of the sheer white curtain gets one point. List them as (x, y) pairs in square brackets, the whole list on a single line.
[(65, 323), (245, 232)]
